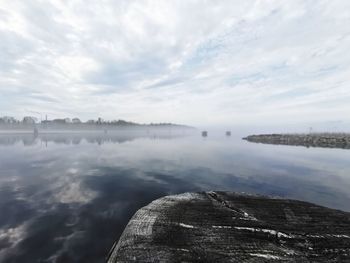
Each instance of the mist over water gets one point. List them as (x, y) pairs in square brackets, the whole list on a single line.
[(68, 197)]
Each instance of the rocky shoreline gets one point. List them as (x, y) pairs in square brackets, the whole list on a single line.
[(231, 227), (325, 140)]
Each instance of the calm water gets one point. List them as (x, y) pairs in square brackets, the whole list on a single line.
[(68, 198)]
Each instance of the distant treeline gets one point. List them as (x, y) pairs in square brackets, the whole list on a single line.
[(75, 123)]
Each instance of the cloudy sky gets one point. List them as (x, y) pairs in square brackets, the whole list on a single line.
[(192, 62)]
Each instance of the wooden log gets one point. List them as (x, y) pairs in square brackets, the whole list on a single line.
[(231, 227)]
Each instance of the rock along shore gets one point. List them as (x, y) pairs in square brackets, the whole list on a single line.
[(326, 140), (231, 227)]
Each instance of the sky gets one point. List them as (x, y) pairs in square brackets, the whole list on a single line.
[(190, 62)]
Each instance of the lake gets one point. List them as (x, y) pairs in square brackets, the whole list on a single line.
[(67, 198)]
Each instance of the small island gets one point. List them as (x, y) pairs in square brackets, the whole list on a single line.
[(325, 140)]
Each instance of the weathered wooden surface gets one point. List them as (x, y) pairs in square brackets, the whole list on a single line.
[(229, 227), (325, 140)]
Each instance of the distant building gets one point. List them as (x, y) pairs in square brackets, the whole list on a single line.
[(90, 122), (67, 120), (76, 120), (8, 119), (29, 120), (46, 122), (59, 121)]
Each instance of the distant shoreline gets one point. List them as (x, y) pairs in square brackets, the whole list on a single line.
[(88, 128), (324, 140)]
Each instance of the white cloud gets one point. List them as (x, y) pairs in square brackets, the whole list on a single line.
[(195, 62)]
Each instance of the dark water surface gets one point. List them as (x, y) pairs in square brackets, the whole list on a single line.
[(68, 198)]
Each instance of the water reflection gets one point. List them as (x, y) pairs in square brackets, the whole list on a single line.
[(69, 201), (29, 139)]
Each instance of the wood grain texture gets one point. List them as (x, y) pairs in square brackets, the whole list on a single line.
[(230, 227)]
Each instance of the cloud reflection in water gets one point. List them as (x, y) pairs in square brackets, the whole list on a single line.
[(68, 198)]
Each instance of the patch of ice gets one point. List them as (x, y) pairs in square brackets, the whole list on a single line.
[(270, 231), (267, 256), (247, 216), (221, 226), (183, 249), (185, 225), (341, 236), (185, 196)]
